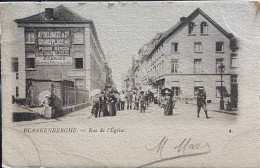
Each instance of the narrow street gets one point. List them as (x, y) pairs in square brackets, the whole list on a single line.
[(182, 114)]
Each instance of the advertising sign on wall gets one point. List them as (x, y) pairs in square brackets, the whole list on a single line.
[(53, 47)]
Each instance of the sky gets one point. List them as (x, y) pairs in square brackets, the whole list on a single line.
[(123, 28)]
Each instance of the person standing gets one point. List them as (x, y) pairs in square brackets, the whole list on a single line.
[(142, 100), (129, 101), (103, 105), (112, 103), (201, 102), (95, 106), (47, 110), (168, 110), (122, 101)]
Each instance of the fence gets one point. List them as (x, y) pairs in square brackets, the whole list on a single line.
[(73, 96)]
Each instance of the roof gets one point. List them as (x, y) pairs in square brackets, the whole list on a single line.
[(60, 14), (183, 23)]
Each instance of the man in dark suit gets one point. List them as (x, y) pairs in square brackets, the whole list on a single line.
[(201, 101)]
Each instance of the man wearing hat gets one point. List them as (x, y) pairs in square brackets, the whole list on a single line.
[(201, 101)]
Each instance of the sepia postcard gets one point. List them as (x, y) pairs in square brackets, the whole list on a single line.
[(130, 84)]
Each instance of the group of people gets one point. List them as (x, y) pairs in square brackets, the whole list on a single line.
[(108, 103)]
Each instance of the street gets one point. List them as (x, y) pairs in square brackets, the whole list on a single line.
[(129, 131), (182, 114)]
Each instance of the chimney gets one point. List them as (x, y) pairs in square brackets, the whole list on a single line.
[(48, 14), (182, 19)]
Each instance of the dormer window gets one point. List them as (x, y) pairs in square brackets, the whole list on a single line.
[(204, 28), (192, 28)]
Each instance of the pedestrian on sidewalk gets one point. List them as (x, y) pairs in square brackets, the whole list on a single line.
[(142, 101), (201, 102)]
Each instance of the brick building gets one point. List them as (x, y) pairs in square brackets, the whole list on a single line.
[(61, 53), (188, 56)]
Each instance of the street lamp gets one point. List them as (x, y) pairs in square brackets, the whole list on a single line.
[(222, 69)]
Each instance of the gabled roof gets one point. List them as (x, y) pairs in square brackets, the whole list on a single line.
[(60, 14), (183, 23)]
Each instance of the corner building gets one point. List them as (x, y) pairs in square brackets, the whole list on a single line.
[(188, 57), (62, 56)]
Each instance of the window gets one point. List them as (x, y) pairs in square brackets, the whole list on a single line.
[(218, 63), (174, 66), (78, 38), (204, 28), (30, 60), (176, 91), (79, 63), (197, 47), (221, 90), (15, 64), (233, 78), (17, 92), (79, 83), (174, 47), (197, 66), (192, 28), (29, 38), (219, 46), (17, 75), (234, 62)]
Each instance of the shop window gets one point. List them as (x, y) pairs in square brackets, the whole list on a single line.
[(175, 48), (176, 91), (78, 63), (192, 28), (79, 83), (219, 47), (197, 66), (221, 89), (29, 38), (218, 63), (204, 28), (174, 66), (78, 38), (15, 64)]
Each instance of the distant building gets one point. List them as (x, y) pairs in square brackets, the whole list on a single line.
[(188, 56), (62, 52)]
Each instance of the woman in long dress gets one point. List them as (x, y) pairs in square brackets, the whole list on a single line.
[(95, 106), (112, 104), (103, 105), (169, 106), (47, 110)]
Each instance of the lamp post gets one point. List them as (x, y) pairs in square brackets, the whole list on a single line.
[(221, 68)]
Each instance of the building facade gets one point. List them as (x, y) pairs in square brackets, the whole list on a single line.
[(188, 56), (62, 51)]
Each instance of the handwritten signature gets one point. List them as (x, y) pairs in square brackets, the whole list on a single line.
[(185, 149)]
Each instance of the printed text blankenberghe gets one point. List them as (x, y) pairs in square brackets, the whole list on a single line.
[(50, 130)]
